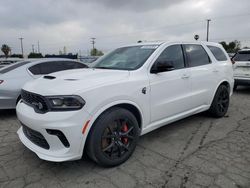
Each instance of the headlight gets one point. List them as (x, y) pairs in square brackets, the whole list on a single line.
[(61, 103)]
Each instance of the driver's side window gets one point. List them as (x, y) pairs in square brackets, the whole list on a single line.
[(173, 55)]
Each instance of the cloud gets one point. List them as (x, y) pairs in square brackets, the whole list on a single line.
[(71, 23)]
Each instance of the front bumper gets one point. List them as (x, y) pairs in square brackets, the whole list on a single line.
[(69, 123)]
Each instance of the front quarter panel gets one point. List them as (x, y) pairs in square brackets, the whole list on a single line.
[(126, 92)]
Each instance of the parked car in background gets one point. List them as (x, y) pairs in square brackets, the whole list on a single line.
[(14, 76), (88, 60), (242, 68), (127, 93), (7, 61)]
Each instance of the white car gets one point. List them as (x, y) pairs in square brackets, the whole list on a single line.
[(242, 68), (127, 93)]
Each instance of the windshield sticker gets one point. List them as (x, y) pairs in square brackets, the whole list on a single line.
[(149, 47)]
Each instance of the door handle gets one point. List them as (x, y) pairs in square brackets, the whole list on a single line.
[(185, 76)]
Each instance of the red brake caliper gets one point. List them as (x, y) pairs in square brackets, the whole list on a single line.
[(125, 129)]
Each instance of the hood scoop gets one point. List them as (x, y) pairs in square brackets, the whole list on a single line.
[(49, 77)]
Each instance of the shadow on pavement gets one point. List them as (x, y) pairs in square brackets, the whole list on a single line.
[(7, 113)]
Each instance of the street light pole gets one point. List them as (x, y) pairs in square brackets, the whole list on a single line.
[(38, 47), (208, 20), (33, 50), (21, 39), (93, 42)]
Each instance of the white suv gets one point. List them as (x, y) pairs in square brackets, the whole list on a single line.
[(242, 68), (127, 93)]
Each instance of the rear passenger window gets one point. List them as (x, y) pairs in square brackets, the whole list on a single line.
[(196, 55), (54, 66), (173, 55), (218, 53)]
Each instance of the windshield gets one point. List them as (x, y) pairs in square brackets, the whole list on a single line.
[(126, 58), (242, 56)]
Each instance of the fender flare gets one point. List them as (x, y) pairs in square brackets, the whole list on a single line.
[(224, 80), (97, 113)]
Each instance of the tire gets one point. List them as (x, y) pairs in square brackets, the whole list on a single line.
[(113, 137), (220, 102)]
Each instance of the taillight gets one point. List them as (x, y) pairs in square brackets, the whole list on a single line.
[(1, 81)]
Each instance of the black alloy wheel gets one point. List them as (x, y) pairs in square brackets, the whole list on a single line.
[(220, 102), (113, 137)]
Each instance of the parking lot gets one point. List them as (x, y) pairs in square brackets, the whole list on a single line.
[(196, 152)]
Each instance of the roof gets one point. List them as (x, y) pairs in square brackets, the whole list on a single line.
[(170, 42)]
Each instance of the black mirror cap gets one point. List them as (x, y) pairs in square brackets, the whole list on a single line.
[(162, 66)]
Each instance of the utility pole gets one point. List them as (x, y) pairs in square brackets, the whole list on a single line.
[(21, 39), (33, 50), (93, 42), (38, 47), (208, 20)]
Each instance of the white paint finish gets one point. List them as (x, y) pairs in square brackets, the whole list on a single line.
[(170, 96)]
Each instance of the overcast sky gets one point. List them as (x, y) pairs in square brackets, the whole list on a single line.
[(71, 23)]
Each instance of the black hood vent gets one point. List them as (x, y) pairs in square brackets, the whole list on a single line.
[(49, 77)]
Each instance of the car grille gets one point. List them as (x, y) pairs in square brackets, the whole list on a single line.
[(35, 137), (38, 102)]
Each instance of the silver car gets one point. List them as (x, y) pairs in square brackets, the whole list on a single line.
[(13, 77), (4, 62)]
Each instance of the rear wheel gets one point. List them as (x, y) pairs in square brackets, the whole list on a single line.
[(220, 102), (113, 138)]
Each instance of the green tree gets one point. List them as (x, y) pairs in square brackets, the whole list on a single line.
[(17, 55), (35, 55), (231, 47), (95, 52), (6, 50)]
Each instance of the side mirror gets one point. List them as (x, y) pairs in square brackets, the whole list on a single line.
[(162, 66)]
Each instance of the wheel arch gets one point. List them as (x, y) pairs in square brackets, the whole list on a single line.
[(223, 82), (126, 104), (129, 105)]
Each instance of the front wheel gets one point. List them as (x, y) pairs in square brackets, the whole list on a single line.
[(220, 102), (113, 138)]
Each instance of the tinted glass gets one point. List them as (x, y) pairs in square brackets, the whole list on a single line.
[(173, 55), (218, 53), (54, 66), (242, 56), (126, 58), (35, 69), (12, 67), (196, 54)]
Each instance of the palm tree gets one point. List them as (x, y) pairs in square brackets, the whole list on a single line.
[(5, 49)]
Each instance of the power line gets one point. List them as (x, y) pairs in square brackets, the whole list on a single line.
[(171, 26), (139, 31)]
